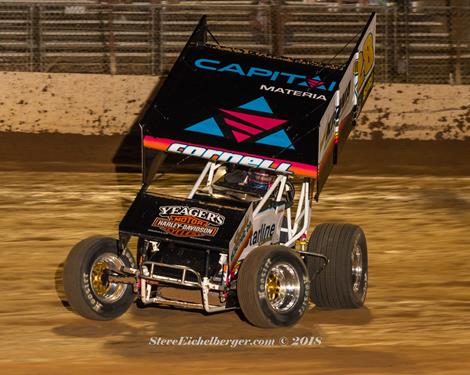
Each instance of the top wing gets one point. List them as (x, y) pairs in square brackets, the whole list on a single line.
[(247, 108)]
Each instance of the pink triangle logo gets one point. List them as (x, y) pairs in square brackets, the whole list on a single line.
[(314, 83), (261, 121), (255, 119), (246, 128), (240, 136)]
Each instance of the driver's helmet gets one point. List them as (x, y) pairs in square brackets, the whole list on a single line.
[(259, 179)]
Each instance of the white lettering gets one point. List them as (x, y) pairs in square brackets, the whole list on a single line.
[(176, 147), (209, 154), (264, 87), (194, 151), (250, 161), (229, 157), (285, 91), (200, 213)]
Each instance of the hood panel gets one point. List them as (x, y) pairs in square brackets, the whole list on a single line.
[(189, 221)]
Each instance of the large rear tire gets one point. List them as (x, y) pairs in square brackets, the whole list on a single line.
[(86, 286), (273, 287), (342, 283)]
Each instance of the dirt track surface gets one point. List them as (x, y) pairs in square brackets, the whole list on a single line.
[(418, 308)]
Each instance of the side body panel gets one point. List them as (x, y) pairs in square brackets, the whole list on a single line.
[(350, 96)]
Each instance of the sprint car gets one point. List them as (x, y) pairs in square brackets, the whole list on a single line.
[(270, 129)]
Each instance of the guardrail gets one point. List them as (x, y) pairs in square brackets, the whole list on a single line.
[(426, 44)]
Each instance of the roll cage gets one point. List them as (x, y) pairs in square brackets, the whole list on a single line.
[(295, 226)]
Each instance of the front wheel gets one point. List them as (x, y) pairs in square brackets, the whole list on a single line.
[(342, 283), (86, 284), (273, 287)]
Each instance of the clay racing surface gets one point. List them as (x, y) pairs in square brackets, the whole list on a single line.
[(418, 306)]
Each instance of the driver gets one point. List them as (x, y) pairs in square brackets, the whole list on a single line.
[(256, 180), (259, 179)]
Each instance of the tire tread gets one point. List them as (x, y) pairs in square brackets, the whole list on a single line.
[(331, 287)]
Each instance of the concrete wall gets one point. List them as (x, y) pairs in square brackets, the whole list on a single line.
[(103, 104), (416, 112), (71, 103)]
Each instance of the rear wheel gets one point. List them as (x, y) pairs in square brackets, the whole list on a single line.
[(273, 287), (342, 283), (86, 284)]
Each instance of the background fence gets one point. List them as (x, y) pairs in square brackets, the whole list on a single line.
[(423, 44)]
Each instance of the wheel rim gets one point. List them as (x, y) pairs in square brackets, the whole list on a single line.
[(282, 287), (356, 268), (101, 268)]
